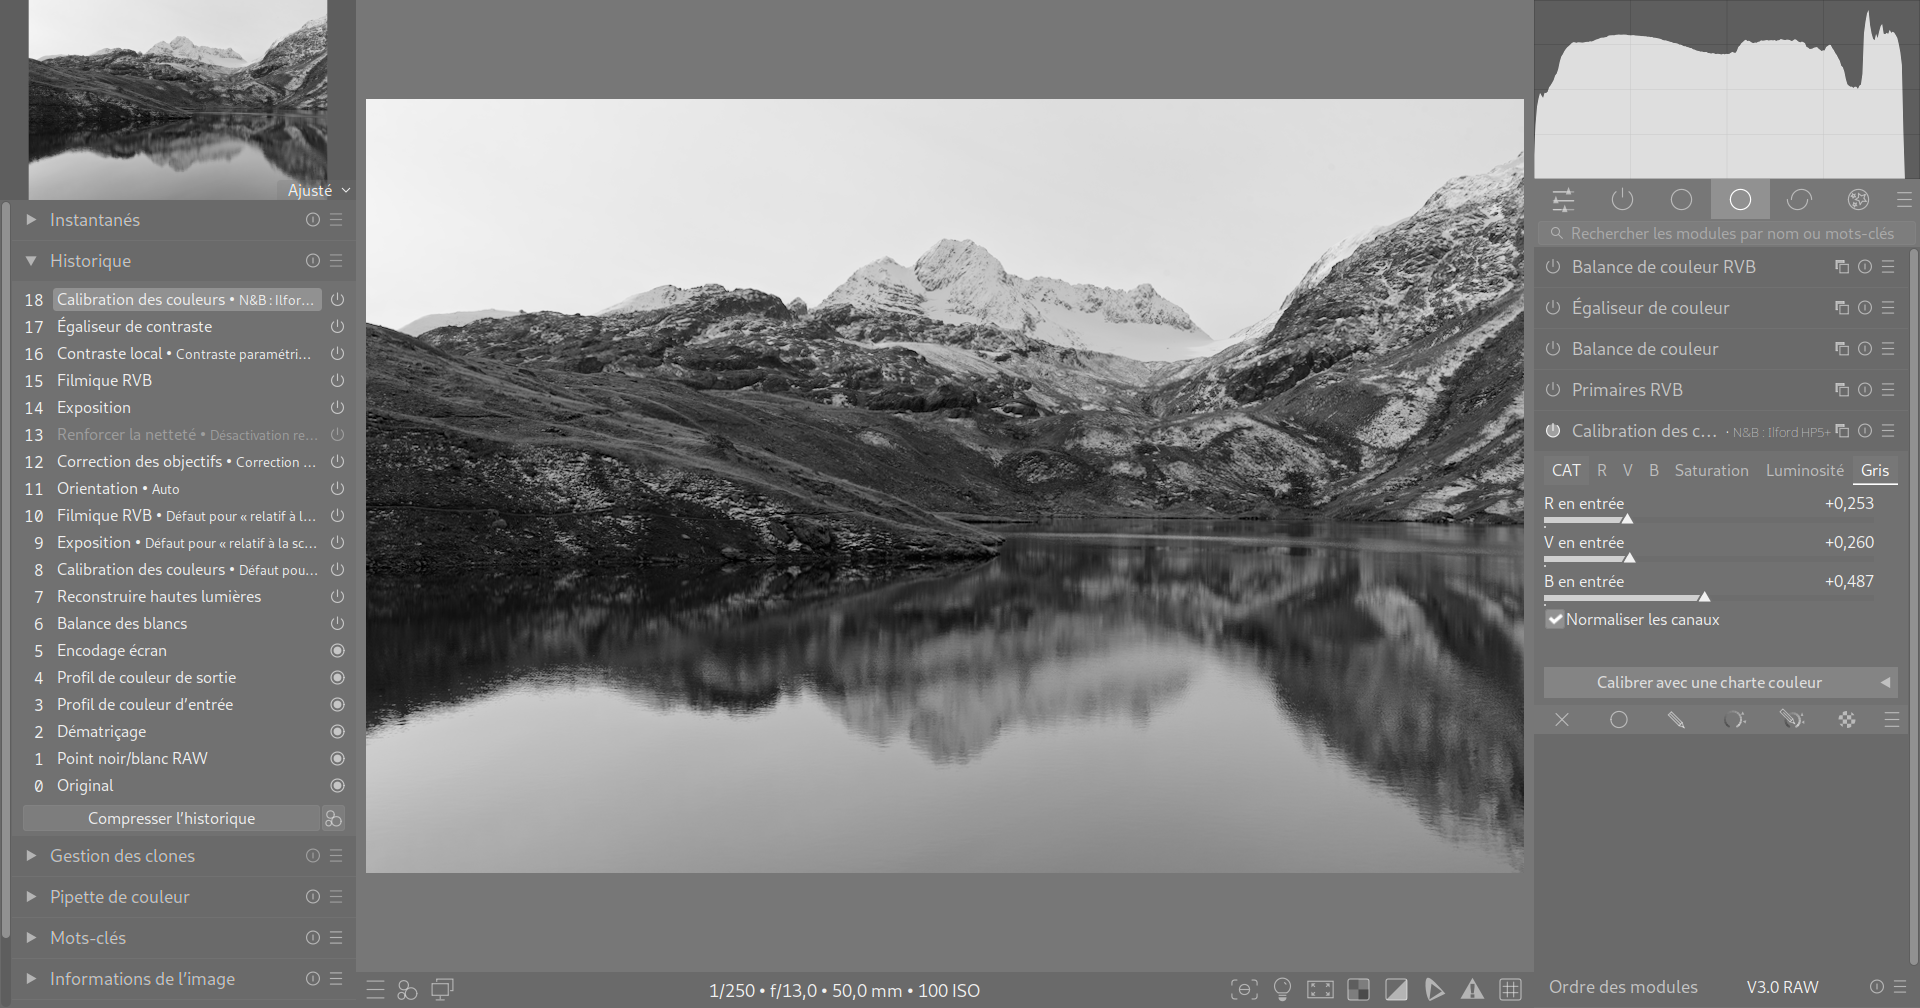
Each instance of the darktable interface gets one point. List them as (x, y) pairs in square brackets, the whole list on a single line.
[(523, 504)]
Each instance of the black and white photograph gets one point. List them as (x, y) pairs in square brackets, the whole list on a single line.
[(942, 486), (175, 99)]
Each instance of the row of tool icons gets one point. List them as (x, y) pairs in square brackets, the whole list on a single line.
[(439, 989), (1361, 989), (1739, 199), (1740, 719)]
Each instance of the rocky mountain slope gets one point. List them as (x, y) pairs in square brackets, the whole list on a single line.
[(175, 80), (959, 282), (1387, 386), (489, 466), (295, 68), (1404, 354), (714, 338)]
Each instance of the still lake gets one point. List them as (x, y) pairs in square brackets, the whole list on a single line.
[(1103, 696), (210, 156)]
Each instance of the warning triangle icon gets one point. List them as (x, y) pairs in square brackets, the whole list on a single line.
[(1628, 520), (1472, 993), (1434, 990)]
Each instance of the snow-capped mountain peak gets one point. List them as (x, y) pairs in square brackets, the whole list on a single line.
[(1484, 188), (881, 286), (663, 296), (183, 47), (959, 281), (951, 263)]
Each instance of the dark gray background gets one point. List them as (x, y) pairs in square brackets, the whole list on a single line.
[(980, 49), (1376, 49)]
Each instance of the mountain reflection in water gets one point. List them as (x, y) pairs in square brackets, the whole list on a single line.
[(1390, 655), (229, 150)]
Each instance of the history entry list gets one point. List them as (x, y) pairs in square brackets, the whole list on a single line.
[(186, 609)]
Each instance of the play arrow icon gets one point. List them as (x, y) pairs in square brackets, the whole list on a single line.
[(30, 897), (29, 855), (30, 978), (29, 218), (30, 259), (29, 937), (1434, 992)]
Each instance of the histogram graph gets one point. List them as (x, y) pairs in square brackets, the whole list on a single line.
[(1724, 89)]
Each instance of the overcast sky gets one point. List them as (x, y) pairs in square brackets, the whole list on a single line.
[(248, 27), (571, 206)]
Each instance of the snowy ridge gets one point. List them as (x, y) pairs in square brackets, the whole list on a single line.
[(880, 286), (1489, 187), (663, 296), (1396, 285), (962, 283), (1458, 192), (182, 47)]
